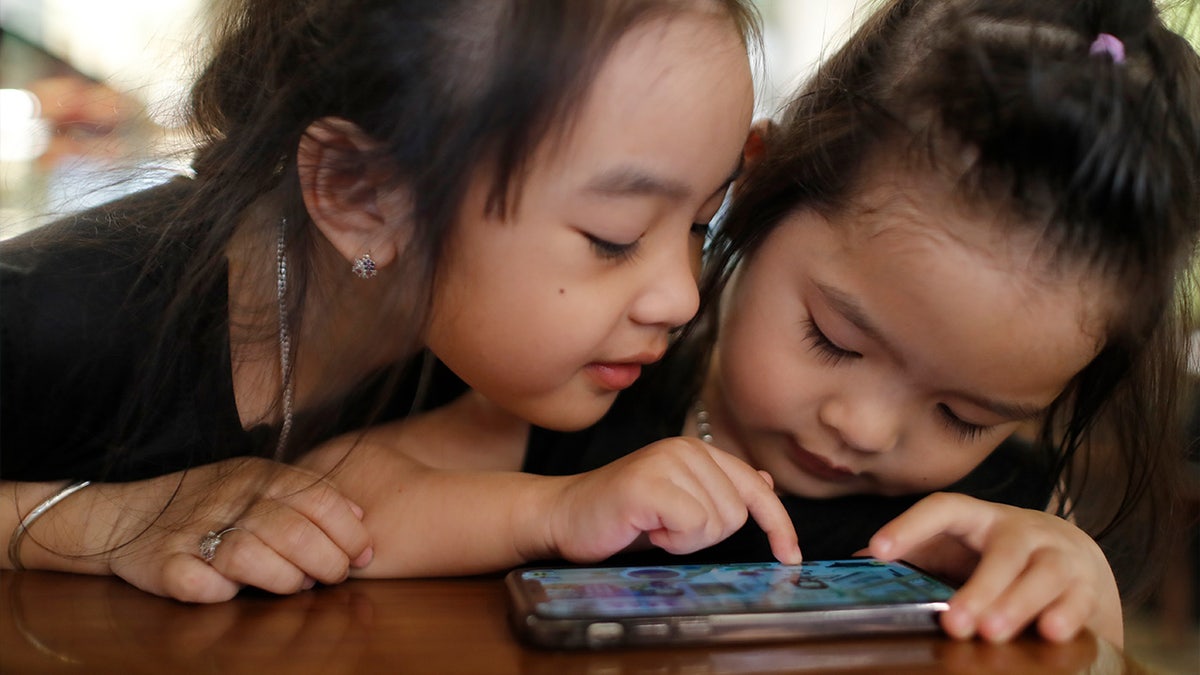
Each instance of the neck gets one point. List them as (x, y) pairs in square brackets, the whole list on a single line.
[(341, 336), (716, 410)]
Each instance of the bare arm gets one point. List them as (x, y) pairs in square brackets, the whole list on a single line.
[(680, 493)]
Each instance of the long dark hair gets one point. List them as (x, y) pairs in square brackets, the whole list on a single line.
[(1102, 154), (443, 88)]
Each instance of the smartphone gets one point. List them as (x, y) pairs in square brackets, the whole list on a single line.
[(604, 607)]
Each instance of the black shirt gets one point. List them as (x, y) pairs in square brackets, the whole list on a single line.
[(91, 387)]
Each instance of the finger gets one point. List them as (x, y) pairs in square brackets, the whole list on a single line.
[(999, 568), (764, 505), (301, 543), (938, 514), (1047, 579), (1063, 619), (189, 579), (243, 557), (729, 510), (338, 517), (682, 517)]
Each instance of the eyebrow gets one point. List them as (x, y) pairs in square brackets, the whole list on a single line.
[(845, 305), (630, 181)]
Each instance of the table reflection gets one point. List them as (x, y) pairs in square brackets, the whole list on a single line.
[(65, 623)]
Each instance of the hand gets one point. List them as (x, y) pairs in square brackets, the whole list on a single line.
[(293, 529), (1021, 566), (682, 493)]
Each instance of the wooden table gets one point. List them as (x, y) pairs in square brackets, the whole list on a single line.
[(58, 623)]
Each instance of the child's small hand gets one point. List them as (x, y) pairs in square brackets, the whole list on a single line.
[(682, 493), (1020, 565)]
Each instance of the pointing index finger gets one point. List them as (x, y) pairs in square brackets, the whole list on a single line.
[(764, 506)]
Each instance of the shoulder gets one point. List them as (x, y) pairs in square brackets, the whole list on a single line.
[(73, 284)]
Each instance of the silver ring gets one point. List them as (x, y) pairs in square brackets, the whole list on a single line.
[(210, 542)]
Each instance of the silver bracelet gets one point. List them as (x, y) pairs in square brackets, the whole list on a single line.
[(18, 535)]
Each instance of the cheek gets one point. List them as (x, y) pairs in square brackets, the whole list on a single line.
[(763, 376), (938, 464)]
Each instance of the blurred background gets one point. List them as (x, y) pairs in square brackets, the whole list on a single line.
[(92, 94), (92, 105)]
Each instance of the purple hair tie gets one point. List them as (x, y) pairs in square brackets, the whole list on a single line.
[(1106, 43)]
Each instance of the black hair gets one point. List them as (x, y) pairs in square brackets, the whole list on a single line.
[(1102, 154), (444, 89), (442, 86)]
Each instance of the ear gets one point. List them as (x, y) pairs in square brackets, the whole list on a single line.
[(348, 194), (757, 142)]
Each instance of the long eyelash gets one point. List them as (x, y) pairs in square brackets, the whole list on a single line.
[(611, 250), (827, 352), (966, 430)]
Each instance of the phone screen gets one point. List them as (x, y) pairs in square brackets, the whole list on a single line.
[(615, 592)]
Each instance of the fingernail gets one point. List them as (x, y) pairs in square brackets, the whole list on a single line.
[(364, 558), (1055, 628), (357, 510), (309, 582), (958, 623), (882, 546)]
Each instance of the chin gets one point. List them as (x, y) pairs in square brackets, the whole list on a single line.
[(811, 489), (576, 418)]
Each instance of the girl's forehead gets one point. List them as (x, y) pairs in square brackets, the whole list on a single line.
[(955, 316), (919, 209), (919, 227)]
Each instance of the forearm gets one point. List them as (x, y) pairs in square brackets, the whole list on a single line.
[(448, 523), (84, 531)]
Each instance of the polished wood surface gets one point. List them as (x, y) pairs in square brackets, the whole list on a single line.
[(58, 623)]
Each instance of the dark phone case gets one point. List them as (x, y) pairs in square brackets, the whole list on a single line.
[(740, 626)]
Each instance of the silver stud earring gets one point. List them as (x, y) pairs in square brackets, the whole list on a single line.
[(364, 266)]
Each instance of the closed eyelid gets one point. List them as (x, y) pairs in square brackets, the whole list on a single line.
[(848, 308), (1006, 410), (826, 349)]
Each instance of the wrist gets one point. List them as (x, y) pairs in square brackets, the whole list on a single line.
[(535, 514), (63, 536), (27, 521)]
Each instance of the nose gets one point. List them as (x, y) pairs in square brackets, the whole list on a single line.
[(670, 296), (869, 423)]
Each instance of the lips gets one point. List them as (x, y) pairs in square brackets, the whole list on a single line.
[(819, 467), (615, 376)]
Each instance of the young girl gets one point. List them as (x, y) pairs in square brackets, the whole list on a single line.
[(974, 219), (519, 188)]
